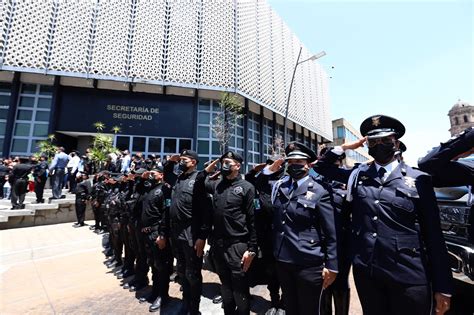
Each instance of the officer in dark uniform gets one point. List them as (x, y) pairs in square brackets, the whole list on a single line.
[(113, 205), (99, 193), (19, 183), (40, 175), (444, 163), (4, 171), (83, 191), (339, 290), (188, 225), (263, 223), (155, 227), (234, 235), (304, 232), (399, 253)]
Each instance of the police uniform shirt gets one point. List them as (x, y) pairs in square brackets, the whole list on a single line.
[(83, 189), (153, 214), (233, 211)]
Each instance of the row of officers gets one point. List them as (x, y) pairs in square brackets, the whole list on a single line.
[(298, 232)]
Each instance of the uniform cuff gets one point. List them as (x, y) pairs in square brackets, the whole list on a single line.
[(266, 170), (337, 150)]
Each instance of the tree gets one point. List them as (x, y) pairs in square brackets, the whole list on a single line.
[(224, 124), (102, 145), (47, 147)]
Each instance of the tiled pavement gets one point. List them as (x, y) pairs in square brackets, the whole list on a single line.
[(58, 269)]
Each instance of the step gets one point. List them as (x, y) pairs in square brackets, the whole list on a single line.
[(41, 206), (16, 213), (3, 218)]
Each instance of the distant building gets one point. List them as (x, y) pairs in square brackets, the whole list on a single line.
[(344, 132), (461, 117)]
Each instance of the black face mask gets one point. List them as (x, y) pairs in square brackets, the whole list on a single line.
[(296, 171), (225, 170), (183, 167), (382, 153)]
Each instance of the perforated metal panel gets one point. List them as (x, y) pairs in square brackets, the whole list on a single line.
[(233, 45)]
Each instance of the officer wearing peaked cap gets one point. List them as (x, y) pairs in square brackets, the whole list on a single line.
[(303, 231), (399, 253)]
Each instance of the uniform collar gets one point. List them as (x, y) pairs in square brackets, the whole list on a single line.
[(388, 168), (300, 181)]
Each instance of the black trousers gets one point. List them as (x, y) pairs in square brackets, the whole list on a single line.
[(125, 231), (97, 216), (141, 266), (2, 182), (235, 289), (189, 267), (19, 190), (383, 296), (80, 210), (159, 261), (301, 288), (39, 187), (116, 238)]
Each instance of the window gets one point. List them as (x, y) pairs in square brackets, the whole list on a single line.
[(340, 132), (253, 141), (456, 121), (32, 118), (148, 145), (466, 119), (267, 138), (5, 94), (207, 146)]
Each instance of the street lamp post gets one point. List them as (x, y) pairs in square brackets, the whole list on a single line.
[(298, 62)]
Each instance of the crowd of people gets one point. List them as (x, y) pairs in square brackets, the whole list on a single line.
[(280, 224)]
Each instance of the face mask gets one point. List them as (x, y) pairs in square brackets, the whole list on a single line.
[(382, 153), (296, 171), (183, 167), (225, 170)]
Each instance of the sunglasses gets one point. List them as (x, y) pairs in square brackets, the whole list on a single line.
[(385, 140)]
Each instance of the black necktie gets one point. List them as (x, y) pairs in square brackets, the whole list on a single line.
[(293, 188), (381, 172)]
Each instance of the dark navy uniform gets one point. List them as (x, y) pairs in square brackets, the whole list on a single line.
[(83, 191), (397, 243), (304, 236), (448, 173)]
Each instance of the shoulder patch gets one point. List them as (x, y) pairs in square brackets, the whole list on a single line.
[(238, 190)]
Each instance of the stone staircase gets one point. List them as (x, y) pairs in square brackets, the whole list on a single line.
[(57, 211)]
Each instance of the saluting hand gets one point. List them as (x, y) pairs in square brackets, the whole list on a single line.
[(354, 144), (443, 303), (174, 158), (328, 277), (212, 166), (277, 165), (259, 167), (246, 261)]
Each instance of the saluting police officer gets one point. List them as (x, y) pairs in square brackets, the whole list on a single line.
[(82, 191), (448, 168), (234, 236), (304, 232), (189, 231), (399, 253)]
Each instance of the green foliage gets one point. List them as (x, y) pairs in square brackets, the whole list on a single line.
[(47, 147), (102, 145)]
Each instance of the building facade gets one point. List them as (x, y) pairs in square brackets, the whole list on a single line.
[(344, 132), (461, 116), (156, 69)]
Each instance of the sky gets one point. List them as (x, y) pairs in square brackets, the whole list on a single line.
[(411, 60)]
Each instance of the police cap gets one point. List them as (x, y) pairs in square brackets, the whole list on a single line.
[(379, 126), (298, 151), (232, 155), (157, 168), (139, 172), (190, 154)]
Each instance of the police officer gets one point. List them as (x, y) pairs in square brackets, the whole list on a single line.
[(399, 254), (234, 236), (155, 227), (83, 191), (339, 290), (40, 175), (263, 222), (304, 232), (113, 205), (99, 193), (188, 225), (19, 183), (448, 169)]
